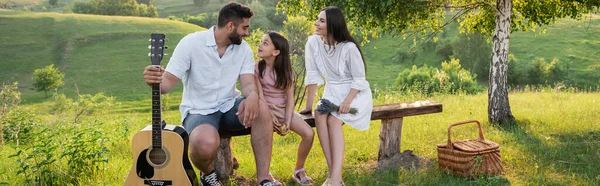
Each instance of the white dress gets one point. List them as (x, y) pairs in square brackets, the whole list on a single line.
[(342, 70)]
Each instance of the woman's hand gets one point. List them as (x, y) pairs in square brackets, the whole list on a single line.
[(344, 107)]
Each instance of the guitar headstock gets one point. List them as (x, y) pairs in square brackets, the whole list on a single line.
[(157, 47)]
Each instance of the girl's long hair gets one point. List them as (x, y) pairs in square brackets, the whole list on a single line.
[(282, 65), (337, 29)]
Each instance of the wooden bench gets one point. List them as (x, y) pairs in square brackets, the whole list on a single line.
[(389, 136)]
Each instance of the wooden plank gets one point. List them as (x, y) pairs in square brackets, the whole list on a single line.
[(399, 110)]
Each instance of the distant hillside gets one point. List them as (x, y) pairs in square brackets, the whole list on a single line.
[(571, 41), (96, 53)]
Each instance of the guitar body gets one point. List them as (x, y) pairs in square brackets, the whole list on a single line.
[(176, 169), (160, 151)]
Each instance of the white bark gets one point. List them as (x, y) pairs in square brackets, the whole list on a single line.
[(498, 106)]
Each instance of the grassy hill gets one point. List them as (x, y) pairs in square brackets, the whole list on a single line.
[(568, 40), (96, 53)]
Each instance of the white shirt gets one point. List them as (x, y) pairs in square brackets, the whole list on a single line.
[(208, 80)]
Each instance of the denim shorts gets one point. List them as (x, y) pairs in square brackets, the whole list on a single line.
[(223, 122)]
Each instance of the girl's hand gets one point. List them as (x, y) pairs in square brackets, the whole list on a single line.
[(344, 107), (307, 110), (287, 123)]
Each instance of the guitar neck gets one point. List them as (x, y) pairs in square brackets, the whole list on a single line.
[(156, 117)]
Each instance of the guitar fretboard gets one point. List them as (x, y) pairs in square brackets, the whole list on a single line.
[(156, 117)]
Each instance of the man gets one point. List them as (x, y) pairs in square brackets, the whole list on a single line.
[(209, 64)]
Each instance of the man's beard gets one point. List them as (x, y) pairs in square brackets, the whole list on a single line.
[(235, 38)]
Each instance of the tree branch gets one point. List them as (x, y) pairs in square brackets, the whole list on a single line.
[(472, 5)]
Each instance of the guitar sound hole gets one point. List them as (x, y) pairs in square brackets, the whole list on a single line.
[(157, 156)]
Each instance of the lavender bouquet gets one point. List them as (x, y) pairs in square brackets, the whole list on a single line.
[(327, 106)]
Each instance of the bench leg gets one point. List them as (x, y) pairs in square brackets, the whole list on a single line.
[(223, 163), (389, 138)]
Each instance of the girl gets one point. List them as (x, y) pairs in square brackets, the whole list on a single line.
[(276, 88), (335, 55)]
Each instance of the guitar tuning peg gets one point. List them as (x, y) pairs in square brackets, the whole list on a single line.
[(149, 54), (166, 40), (149, 46), (165, 54), (166, 47), (149, 40)]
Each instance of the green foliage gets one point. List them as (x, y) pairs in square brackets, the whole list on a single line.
[(115, 7), (539, 72), (48, 78), (37, 161), (85, 105), (260, 20), (204, 20), (474, 52), (451, 79), (53, 2), (18, 125), (276, 18), (60, 104), (9, 99), (297, 29), (201, 2), (422, 17), (84, 151), (445, 51), (254, 39), (92, 104)]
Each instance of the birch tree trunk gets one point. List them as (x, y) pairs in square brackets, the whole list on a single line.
[(498, 105)]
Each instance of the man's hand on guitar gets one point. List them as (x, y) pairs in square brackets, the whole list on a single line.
[(153, 74), (250, 110)]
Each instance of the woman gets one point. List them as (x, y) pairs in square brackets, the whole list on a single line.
[(333, 54)]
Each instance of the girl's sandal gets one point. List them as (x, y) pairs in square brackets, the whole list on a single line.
[(305, 180), (275, 182)]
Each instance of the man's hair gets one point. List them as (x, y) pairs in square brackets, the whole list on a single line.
[(233, 12)]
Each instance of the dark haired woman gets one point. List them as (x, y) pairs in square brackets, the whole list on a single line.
[(334, 55)]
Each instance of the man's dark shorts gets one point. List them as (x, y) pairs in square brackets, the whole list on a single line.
[(223, 122)]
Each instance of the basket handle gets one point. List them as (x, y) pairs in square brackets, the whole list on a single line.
[(462, 123)]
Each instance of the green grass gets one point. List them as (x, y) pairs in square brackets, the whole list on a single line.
[(556, 145), (568, 40), (96, 53)]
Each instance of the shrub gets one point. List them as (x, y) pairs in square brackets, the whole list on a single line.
[(451, 79)]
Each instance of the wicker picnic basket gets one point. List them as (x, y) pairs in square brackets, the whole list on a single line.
[(470, 158)]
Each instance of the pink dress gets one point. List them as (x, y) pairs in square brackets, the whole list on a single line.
[(275, 98)]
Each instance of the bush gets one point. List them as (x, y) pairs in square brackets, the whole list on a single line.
[(115, 7), (18, 125), (451, 79), (445, 51)]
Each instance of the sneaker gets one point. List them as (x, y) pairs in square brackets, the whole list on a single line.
[(210, 179), (266, 183)]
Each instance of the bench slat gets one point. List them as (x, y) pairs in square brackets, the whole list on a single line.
[(387, 111)]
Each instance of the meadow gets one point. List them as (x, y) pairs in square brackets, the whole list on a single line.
[(554, 141)]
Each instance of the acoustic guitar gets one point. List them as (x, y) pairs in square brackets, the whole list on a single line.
[(160, 151)]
